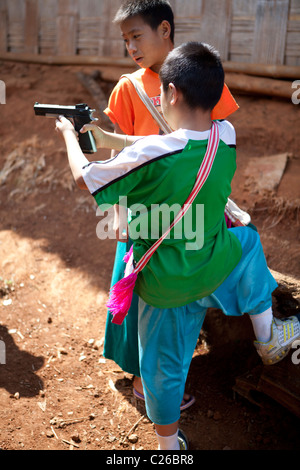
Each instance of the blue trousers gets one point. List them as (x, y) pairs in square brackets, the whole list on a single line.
[(167, 337)]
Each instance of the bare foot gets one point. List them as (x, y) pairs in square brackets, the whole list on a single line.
[(137, 383)]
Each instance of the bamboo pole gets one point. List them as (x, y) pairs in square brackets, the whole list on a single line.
[(264, 70), (259, 85), (68, 60)]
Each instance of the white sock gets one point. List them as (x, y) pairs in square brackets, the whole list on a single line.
[(262, 325), (168, 442)]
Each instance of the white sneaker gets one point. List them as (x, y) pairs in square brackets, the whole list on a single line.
[(283, 334)]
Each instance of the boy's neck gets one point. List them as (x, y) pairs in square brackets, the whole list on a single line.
[(168, 47), (195, 120)]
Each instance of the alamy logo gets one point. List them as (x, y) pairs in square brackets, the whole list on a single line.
[(2, 92), (2, 352), (144, 226), (296, 354), (296, 94)]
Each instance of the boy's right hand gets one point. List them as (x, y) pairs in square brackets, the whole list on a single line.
[(98, 134), (120, 225)]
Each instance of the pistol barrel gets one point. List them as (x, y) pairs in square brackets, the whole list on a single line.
[(80, 113)]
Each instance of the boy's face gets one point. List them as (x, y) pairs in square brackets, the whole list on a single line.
[(147, 47)]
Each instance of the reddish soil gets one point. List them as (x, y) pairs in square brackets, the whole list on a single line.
[(56, 389)]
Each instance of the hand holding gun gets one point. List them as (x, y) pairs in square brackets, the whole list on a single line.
[(81, 114)]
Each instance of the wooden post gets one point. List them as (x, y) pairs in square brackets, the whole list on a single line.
[(3, 27), (67, 21), (216, 24), (270, 31), (31, 27)]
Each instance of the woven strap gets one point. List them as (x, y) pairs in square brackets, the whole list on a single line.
[(149, 105), (202, 176)]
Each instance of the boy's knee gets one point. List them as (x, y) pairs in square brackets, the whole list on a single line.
[(248, 238)]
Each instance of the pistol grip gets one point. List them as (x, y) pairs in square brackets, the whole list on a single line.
[(86, 141)]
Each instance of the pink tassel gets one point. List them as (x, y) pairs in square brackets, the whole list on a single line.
[(228, 221), (120, 298), (128, 254)]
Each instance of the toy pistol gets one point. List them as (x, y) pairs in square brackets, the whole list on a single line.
[(80, 114)]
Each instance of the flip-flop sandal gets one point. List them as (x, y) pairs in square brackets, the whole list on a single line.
[(186, 403)]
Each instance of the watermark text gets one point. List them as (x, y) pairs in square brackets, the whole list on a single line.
[(296, 94), (2, 352), (2, 92), (151, 222), (296, 354)]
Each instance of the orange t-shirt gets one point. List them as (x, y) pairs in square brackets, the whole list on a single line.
[(127, 110)]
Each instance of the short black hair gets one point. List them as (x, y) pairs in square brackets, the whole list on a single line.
[(196, 70), (153, 13)]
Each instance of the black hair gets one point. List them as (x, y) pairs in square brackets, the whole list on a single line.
[(153, 13), (196, 70)]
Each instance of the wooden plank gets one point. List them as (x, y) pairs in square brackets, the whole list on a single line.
[(280, 71), (241, 39), (196, 21), (89, 27), (110, 33), (47, 43), (15, 17), (67, 27), (191, 9), (246, 386), (216, 25), (248, 31), (16, 10), (270, 31), (242, 30), (281, 382), (292, 53), (31, 27), (258, 85), (187, 17), (262, 70), (3, 27), (123, 62), (48, 16), (95, 24), (16, 36), (66, 35), (244, 8), (294, 8)]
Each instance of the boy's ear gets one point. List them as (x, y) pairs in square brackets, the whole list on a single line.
[(165, 28), (173, 93)]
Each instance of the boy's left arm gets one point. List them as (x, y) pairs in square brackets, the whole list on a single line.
[(77, 159)]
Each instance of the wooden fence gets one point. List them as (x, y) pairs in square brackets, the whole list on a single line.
[(248, 31)]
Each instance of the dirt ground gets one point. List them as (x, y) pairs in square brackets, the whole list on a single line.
[(57, 391)]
